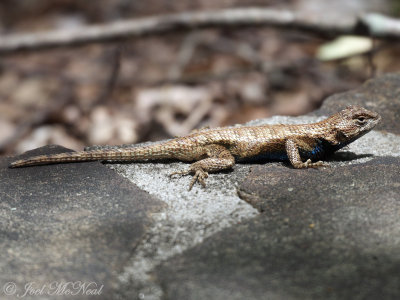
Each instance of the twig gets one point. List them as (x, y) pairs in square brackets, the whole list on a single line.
[(374, 25), (184, 56), (370, 60), (109, 86)]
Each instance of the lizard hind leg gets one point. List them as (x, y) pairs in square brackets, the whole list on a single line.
[(218, 158)]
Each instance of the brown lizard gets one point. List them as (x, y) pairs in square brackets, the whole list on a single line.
[(217, 149)]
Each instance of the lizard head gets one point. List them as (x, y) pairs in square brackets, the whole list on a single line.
[(353, 122)]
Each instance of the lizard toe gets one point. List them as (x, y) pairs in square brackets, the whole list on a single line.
[(186, 172), (199, 176), (318, 164), (309, 164)]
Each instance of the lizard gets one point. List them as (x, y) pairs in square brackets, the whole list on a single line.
[(213, 150)]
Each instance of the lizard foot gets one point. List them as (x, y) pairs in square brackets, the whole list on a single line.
[(318, 164), (310, 164), (199, 175)]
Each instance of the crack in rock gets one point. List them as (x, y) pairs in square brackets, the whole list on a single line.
[(191, 216)]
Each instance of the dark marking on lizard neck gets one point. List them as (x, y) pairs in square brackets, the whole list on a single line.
[(323, 149)]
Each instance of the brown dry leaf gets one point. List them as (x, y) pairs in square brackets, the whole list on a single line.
[(7, 130), (101, 128), (46, 135), (30, 93), (126, 130), (111, 127), (166, 103), (8, 83), (290, 103)]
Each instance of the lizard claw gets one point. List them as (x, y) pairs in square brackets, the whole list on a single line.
[(179, 173), (318, 164), (309, 164), (199, 176)]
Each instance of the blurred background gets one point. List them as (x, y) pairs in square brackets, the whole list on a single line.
[(166, 85)]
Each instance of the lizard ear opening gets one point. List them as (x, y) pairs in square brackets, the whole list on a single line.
[(341, 136)]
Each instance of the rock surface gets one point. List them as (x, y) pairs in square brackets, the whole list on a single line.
[(68, 223), (261, 231), (330, 234)]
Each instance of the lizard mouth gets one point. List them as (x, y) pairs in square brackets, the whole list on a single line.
[(376, 120)]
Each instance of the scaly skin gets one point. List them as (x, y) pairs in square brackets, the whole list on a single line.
[(218, 149)]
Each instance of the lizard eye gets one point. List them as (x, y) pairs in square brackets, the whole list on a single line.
[(361, 120)]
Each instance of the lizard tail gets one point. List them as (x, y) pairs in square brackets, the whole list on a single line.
[(123, 154)]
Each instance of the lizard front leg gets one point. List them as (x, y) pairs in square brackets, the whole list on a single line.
[(292, 150), (218, 158)]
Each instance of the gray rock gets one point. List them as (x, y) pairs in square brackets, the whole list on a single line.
[(323, 234), (68, 223)]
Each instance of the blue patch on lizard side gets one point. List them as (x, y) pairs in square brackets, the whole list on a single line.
[(322, 150)]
